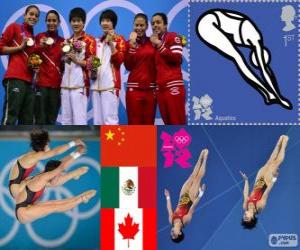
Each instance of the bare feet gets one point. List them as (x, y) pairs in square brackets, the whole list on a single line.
[(86, 196), (79, 172)]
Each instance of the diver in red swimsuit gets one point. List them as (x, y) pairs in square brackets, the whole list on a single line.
[(29, 209), (265, 179), (40, 151), (190, 194)]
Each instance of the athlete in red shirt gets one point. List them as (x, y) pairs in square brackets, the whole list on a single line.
[(140, 61), (17, 41), (48, 45), (265, 179), (168, 59), (190, 195)]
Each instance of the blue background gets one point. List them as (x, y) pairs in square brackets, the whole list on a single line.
[(124, 27), (215, 75), (86, 234), (216, 222)]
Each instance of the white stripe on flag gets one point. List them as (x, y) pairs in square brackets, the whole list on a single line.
[(137, 217), (128, 200)]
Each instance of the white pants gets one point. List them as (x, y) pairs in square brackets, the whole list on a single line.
[(105, 107), (74, 106)]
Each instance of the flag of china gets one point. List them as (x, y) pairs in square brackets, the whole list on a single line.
[(128, 146)]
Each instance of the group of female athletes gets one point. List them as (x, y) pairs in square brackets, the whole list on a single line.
[(47, 72)]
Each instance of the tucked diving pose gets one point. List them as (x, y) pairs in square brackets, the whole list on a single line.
[(40, 151), (189, 197), (224, 31), (265, 179), (29, 209)]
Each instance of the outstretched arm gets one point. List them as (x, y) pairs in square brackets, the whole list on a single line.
[(169, 205), (246, 189), (54, 175), (58, 150)]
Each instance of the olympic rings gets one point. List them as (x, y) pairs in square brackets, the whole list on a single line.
[(180, 139)]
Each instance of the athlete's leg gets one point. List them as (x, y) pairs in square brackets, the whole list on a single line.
[(268, 74), (194, 189), (110, 107), (79, 103), (66, 110), (97, 114), (42, 209), (75, 174), (197, 173), (275, 159)]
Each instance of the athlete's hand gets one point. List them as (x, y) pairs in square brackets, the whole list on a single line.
[(244, 175), (72, 56), (23, 45), (132, 38), (81, 149), (43, 42), (155, 40), (110, 36), (167, 193), (79, 142)]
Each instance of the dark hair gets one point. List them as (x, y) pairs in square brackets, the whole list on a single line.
[(51, 165), (179, 238), (142, 15), (31, 7), (249, 224), (53, 12), (163, 16), (110, 15), (77, 12), (39, 139)]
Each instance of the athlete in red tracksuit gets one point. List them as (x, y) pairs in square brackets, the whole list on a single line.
[(168, 59), (17, 41), (47, 100), (140, 61)]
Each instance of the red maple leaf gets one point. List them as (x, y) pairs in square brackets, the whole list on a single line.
[(129, 229)]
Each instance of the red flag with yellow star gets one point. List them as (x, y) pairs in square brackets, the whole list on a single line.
[(128, 146)]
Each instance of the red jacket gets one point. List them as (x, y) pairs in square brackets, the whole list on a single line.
[(51, 69), (168, 61), (17, 64), (140, 61)]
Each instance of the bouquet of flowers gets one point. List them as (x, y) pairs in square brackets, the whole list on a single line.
[(183, 40), (34, 62), (77, 46), (92, 64)]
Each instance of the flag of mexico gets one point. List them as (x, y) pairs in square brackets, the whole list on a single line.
[(128, 187)]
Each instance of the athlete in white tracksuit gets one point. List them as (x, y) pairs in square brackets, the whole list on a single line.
[(105, 89)]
